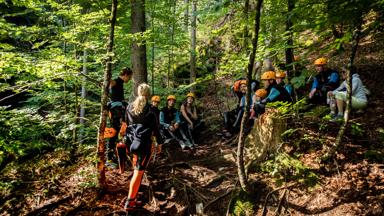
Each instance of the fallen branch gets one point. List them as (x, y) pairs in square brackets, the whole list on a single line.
[(278, 211), (218, 198), (270, 193), (51, 205), (230, 200), (202, 196)]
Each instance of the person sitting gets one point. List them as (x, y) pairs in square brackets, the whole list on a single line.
[(236, 90), (326, 80), (275, 92), (232, 119), (338, 97), (155, 102), (170, 123), (190, 120), (280, 76), (257, 107)]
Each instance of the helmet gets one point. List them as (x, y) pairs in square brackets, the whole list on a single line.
[(321, 61), (155, 98), (296, 58), (171, 97), (191, 94), (268, 75), (243, 82), (280, 74), (261, 93)]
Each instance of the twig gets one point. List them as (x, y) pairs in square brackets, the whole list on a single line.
[(218, 198), (202, 196), (281, 202), (230, 200), (230, 140), (277, 189)]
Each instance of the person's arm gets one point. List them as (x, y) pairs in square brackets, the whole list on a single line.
[(111, 84), (194, 114), (272, 95), (162, 120), (177, 117), (340, 88), (355, 84), (184, 113)]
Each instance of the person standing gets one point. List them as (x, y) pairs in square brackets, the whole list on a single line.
[(116, 107), (142, 124)]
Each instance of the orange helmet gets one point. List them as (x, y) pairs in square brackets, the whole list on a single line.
[(296, 58), (268, 75), (155, 98), (191, 94), (280, 75), (321, 61), (261, 93), (243, 82), (171, 97)]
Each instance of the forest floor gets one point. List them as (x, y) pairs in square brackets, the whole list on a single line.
[(204, 180)]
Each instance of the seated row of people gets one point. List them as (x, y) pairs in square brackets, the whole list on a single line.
[(181, 126), (271, 92)]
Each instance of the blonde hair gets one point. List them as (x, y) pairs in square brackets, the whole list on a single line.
[(143, 92)]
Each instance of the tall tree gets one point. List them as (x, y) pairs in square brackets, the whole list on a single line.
[(240, 147), (104, 98), (83, 96), (139, 51), (186, 15), (289, 49), (193, 43)]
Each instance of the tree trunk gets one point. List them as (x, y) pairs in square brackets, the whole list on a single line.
[(186, 15), (139, 54), (193, 44), (104, 99), (153, 48), (355, 43), (289, 49), (240, 147), (245, 32), (83, 96)]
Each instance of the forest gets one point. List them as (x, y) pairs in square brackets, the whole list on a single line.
[(250, 107)]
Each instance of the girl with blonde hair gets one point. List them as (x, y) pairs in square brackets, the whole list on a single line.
[(141, 125)]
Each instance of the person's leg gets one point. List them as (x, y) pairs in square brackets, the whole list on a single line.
[(140, 163), (237, 123), (116, 124), (341, 97)]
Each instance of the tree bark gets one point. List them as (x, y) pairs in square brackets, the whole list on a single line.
[(240, 147), (245, 31), (83, 96), (153, 48), (139, 54), (186, 15), (355, 43), (289, 49), (193, 44), (104, 99)]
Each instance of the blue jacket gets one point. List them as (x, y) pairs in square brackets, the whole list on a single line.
[(328, 78)]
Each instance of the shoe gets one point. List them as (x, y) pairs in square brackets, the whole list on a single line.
[(227, 135), (131, 205), (332, 115), (337, 118)]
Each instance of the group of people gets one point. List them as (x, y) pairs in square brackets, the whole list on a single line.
[(274, 89), (325, 89), (147, 123)]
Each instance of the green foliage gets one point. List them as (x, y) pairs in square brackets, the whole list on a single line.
[(286, 168), (356, 129), (243, 208)]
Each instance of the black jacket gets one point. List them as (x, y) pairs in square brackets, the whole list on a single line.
[(141, 128)]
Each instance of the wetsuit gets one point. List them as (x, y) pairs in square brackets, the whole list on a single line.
[(324, 82), (139, 132), (168, 117), (117, 110)]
